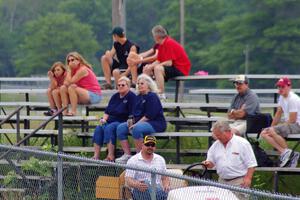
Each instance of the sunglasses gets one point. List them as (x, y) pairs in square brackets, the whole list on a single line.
[(149, 145), (237, 83), (121, 85), (71, 60)]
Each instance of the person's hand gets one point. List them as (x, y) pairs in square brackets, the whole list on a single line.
[(50, 74), (247, 182), (142, 186), (102, 121), (166, 188), (208, 164)]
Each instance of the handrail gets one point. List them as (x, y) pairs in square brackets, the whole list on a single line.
[(58, 113), (11, 115)]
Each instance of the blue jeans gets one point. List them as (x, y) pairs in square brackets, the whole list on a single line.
[(140, 130), (160, 194), (105, 133)]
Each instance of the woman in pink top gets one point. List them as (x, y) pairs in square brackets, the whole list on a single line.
[(56, 74), (81, 84)]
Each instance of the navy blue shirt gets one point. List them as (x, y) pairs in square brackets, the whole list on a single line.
[(119, 109), (149, 105)]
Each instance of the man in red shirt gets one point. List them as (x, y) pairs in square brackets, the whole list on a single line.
[(172, 59)]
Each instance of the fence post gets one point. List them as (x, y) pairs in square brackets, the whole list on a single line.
[(59, 159), (153, 186)]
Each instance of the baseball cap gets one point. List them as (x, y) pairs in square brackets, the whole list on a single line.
[(117, 30), (149, 139), (284, 81), (240, 79)]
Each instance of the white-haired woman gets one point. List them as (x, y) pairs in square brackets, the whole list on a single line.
[(148, 116)]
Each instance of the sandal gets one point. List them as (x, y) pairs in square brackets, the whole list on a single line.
[(70, 114), (109, 159)]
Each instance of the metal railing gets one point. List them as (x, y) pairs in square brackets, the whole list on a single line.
[(60, 176)]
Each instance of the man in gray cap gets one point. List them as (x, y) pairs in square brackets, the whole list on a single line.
[(244, 103)]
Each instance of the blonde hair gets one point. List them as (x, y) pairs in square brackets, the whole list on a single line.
[(151, 84), (127, 80), (78, 57), (58, 64)]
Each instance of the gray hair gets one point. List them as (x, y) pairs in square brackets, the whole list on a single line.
[(152, 85), (159, 31), (221, 125), (127, 80)]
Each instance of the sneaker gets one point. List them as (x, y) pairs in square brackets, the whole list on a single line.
[(294, 160), (162, 97), (107, 86), (285, 157), (123, 159)]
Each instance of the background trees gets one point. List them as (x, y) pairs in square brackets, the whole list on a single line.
[(36, 33)]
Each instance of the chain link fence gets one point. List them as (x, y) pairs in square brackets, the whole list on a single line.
[(37, 175)]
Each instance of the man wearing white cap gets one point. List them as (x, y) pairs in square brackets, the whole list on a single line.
[(244, 103), (289, 106)]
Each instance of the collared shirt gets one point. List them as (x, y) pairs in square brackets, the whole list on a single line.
[(290, 104), (233, 160), (249, 100), (157, 163)]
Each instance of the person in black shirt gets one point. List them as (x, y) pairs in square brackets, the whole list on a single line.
[(114, 62)]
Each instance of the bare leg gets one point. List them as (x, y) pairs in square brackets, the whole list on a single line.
[(106, 61), (64, 98), (50, 98), (133, 71), (111, 152), (116, 74), (77, 95), (159, 73), (274, 139), (57, 98), (148, 69), (138, 145), (125, 146), (97, 150)]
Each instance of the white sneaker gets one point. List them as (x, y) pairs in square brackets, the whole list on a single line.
[(285, 157), (123, 159), (162, 97), (294, 160)]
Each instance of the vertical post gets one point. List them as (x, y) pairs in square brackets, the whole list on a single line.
[(182, 41), (247, 56), (119, 13), (18, 126), (59, 159), (153, 186)]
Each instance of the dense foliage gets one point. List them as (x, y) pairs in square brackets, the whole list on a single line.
[(36, 33)]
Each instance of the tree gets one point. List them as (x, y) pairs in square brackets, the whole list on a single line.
[(49, 39)]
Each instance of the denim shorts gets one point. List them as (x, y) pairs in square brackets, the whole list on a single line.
[(94, 98)]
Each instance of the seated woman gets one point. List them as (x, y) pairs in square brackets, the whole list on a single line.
[(148, 115), (120, 106), (56, 74), (81, 84)]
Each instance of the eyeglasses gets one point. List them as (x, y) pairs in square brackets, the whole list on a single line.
[(71, 60), (237, 83), (121, 85), (149, 145)]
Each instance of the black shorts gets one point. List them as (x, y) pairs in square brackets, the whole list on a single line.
[(117, 65), (141, 67), (171, 72)]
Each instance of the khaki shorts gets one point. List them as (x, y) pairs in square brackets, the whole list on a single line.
[(240, 126), (286, 129)]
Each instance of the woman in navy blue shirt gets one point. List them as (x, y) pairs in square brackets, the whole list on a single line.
[(148, 115), (120, 106)]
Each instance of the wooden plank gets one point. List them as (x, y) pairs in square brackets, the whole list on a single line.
[(28, 131), (234, 91), (42, 91), (44, 118)]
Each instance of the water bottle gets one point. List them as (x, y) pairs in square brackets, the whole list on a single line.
[(130, 122)]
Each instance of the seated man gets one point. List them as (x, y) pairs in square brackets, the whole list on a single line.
[(140, 181), (172, 60), (244, 103), (289, 106), (143, 59), (115, 61)]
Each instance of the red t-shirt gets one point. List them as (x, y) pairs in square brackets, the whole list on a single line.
[(172, 50)]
